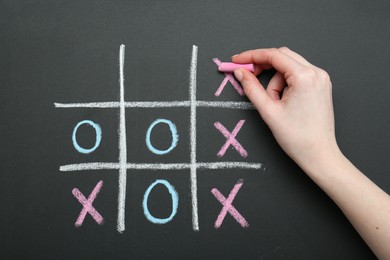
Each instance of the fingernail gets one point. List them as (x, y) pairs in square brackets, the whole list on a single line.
[(235, 55), (238, 74)]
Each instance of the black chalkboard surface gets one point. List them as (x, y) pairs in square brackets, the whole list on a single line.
[(119, 139)]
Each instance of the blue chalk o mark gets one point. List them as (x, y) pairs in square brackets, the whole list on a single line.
[(98, 132), (174, 134), (175, 202)]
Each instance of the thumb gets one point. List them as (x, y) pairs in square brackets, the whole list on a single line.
[(253, 89)]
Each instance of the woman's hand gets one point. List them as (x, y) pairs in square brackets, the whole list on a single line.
[(297, 103)]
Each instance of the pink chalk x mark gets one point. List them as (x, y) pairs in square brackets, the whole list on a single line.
[(231, 66), (228, 207), (228, 78), (231, 139), (87, 205)]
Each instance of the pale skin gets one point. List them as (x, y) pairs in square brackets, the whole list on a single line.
[(297, 106)]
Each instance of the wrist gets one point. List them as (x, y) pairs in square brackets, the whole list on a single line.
[(317, 162)]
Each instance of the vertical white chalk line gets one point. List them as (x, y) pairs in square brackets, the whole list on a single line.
[(122, 145), (194, 185)]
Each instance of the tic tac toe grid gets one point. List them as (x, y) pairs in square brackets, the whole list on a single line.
[(123, 164)]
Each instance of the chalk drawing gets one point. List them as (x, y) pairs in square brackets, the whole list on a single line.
[(228, 78), (122, 146), (98, 132), (87, 205), (175, 136), (231, 139), (193, 168), (175, 202), (228, 207), (160, 166), (157, 104), (193, 165)]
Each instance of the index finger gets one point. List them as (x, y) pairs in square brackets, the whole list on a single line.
[(270, 57)]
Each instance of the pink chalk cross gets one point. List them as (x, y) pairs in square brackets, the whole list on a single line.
[(228, 77), (231, 139), (87, 205), (228, 207)]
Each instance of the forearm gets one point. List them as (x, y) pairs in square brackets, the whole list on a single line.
[(365, 205)]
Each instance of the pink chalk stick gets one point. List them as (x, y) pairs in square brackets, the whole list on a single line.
[(228, 77), (230, 66)]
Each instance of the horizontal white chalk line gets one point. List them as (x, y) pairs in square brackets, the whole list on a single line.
[(89, 166), (157, 104), (225, 104), (88, 105), (159, 166), (229, 165), (144, 104)]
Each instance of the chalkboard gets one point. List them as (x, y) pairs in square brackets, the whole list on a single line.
[(119, 139)]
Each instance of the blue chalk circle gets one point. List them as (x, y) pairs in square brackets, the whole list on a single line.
[(175, 136), (175, 202), (98, 132)]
